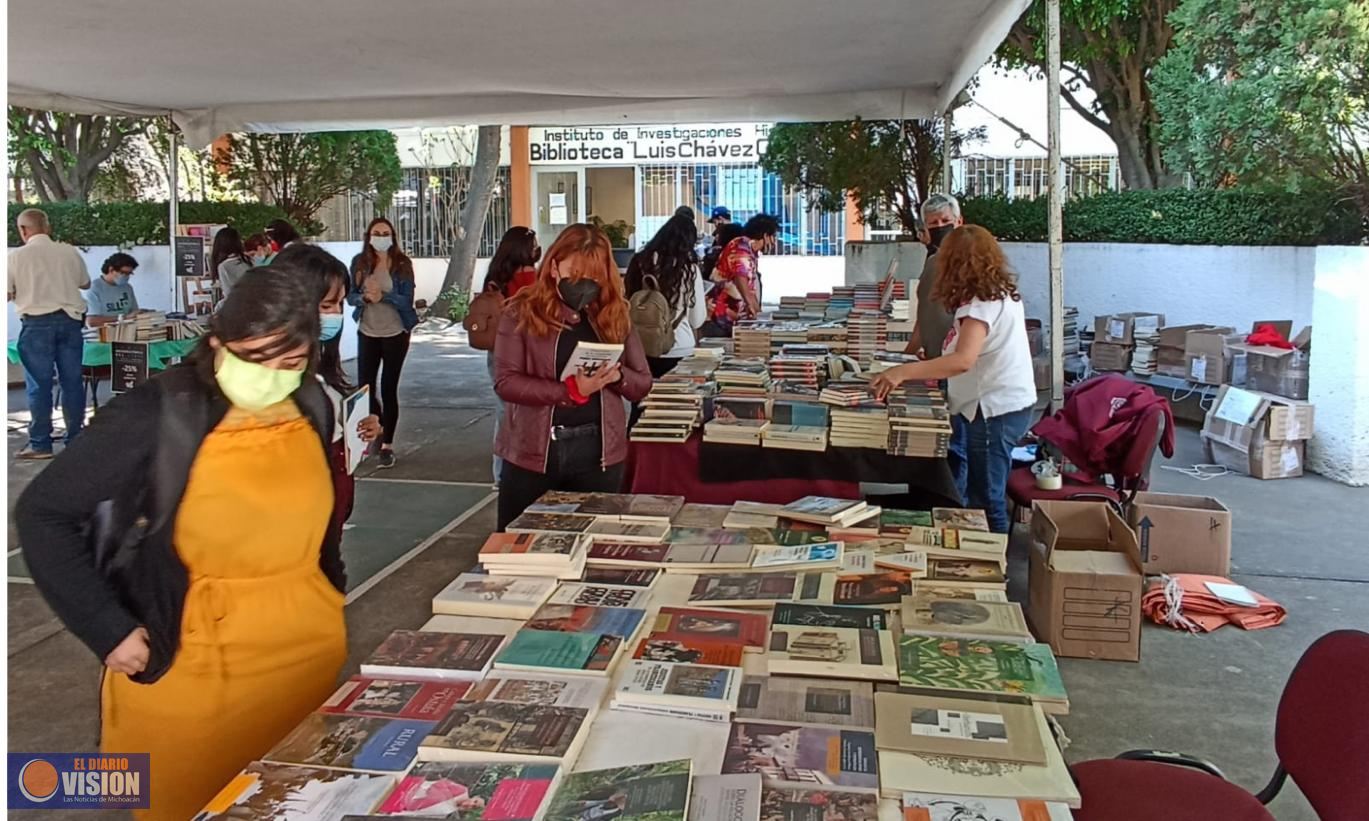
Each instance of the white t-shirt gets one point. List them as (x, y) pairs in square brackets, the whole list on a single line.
[(1001, 380), (694, 318)]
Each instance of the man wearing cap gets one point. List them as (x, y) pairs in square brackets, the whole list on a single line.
[(720, 216)]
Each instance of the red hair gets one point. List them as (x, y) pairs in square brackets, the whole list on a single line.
[(970, 266), (581, 251)]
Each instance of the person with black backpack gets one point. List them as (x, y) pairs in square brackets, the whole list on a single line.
[(666, 295)]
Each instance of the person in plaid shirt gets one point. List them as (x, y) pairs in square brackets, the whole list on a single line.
[(737, 292)]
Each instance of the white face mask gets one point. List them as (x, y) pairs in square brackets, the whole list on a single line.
[(382, 244)]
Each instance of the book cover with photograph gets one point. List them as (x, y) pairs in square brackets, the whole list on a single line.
[(416, 654), (598, 595), (960, 518), (745, 589), (726, 798), (824, 615), (641, 792), (788, 754), (472, 792), (532, 547), (559, 501), (778, 804), (643, 577), (896, 523), (559, 651), (966, 572), (535, 522), (824, 509), (946, 663), (352, 742), (395, 698), (950, 591), (702, 517), (689, 651), (805, 556), (1003, 621), (835, 652), (573, 618), (478, 594), (940, 725), (290, 793), (504, 731), (548, 690), (791, 700), (919, 806), (681, 685), (699, 624), (888, 587)]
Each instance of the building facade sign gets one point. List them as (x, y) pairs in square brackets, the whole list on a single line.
[(633, 144)]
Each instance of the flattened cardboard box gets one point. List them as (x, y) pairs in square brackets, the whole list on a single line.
[(1086, 581), (1182, 534), (1105, 356)]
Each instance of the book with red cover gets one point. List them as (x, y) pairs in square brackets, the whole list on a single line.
[(874, 589), (699, 624), (396, 698), (439, 789), (689, 651)]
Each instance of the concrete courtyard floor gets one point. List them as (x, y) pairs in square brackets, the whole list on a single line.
[(416, 526)]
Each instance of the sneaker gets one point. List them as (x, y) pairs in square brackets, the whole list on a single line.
[(386, 459), (29, 454)]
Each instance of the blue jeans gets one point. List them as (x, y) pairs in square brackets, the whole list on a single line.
[(47, 343), (498, 465), (989, 443)]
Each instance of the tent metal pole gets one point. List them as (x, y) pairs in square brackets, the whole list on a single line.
[(173, 204), (1056, 225), (947, 129)]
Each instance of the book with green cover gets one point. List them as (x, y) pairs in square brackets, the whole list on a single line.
[(557, 650), (642, 792), (898, 522), (944, 663)]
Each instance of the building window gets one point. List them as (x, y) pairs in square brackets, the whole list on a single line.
[(427, 208)]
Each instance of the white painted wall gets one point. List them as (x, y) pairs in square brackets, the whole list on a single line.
[(1338, 382)]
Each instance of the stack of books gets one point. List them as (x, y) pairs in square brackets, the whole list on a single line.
[(815, 306), (752, 342), (735, 431), (810, 414), (860, 426), (794, 437), (549, 554), (832, 337), (901, 310), (743, 377), (672, 410), (847, 393), (807, 370), (884, 360), (843, 301), (1143, 358), (919, 422), (867, 334)]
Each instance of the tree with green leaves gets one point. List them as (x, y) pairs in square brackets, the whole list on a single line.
[(1111, 47), (1270, 94), (882, 164), (61, 154), (300, 173)]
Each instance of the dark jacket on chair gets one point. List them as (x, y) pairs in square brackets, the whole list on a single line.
[(1101, 418), (96, 525), (525, 377)]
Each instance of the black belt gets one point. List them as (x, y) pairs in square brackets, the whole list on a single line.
[(562, 433)]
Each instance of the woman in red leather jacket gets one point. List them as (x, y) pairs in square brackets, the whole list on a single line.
[(571, 434)]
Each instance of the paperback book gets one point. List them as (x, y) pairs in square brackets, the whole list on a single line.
[(919, 806), (502, 731), (927, 615), (472, 792), (547, 690), (598, 595), (352, 742), (673, 557), (960, 518), (641, 792), (574, 618), (825, 615), (948, 591), (513, 597), (641, 532), (395, 698), (706, 517), (753, 589), (446, 656), (685, 686), (689, 651), (726, 798), (913, 562), (780, 804), (897, 523), (877, 589), (825, 510), (819, 556), (966, 573), (537, 522), (832, 652), (963, 728), (704, 625), (793, 755), (591, 357), (644, 577), (284, 792), (987, 666), (790, 700), (556, 651)]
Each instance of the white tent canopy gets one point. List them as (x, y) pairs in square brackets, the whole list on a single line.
[(268, 65)]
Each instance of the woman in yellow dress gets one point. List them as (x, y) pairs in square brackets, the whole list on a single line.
[(185, 538)]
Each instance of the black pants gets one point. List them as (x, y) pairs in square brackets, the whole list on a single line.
[(383, 356), (519, 488)]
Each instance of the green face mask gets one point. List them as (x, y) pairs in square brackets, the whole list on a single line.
[(254, 387)]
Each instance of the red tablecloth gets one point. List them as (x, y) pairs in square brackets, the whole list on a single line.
[(673, 470)]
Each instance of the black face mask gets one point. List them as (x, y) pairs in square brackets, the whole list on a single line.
[(937, 236), (578, 293)]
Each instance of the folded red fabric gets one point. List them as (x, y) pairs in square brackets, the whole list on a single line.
[(1183, 602), (1266, 334)]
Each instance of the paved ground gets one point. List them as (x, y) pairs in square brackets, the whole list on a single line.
[(420, 524)]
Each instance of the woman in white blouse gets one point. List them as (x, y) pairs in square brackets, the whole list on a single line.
[(986, 361)]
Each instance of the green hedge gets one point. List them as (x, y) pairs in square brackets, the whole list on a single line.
[(125, 224), (1180, 217)]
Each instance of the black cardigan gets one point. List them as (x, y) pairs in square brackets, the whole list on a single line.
[(127, 473)]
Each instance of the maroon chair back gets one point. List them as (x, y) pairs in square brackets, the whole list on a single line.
[(1322, 732), (1134, 472)]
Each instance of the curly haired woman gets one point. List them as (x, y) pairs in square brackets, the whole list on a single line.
[(987, 364)]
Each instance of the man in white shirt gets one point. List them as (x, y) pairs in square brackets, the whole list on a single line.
[(45, 283)]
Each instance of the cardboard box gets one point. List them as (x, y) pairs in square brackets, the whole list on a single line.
[(1106, 356), (1121, 329), (1182, 534), (1279, 370), (1170, 361), (1207, 356), (1086, 581), (1258, 434)]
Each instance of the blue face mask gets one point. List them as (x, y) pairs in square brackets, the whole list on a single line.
[(329, 326), (121, 279)]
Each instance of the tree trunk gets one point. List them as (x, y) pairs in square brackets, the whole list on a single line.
[(461, 266)]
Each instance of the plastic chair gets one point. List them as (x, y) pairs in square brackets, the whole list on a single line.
[(1131, 476), (1321, 737)]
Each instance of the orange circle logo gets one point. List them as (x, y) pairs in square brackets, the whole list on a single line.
[(38, 780)]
